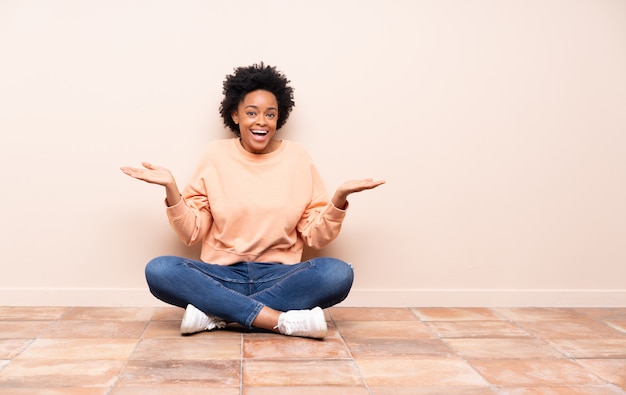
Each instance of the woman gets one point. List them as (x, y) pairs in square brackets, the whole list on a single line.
[(253, 202)]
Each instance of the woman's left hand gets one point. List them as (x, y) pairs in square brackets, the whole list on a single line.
[(352, 186)]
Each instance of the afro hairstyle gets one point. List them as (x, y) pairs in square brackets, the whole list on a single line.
[(251, 78)]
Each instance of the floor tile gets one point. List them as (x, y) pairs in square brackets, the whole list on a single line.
[(85, 349), (619, 325), (51, 373), (611, 313), (185, 348), (476, 329), (398, 348), (591, 348), (11, 348), (611, 370), (306, 390), (580, 328), (171, 329), (562, 390), (95, 330), (164, 329), (432, 390), (168, 314), (278, 347), (300, 373), (418, 372), (539, 314), (110, 313), (181, 374), (376, 351), (371, 314), (18, 313), (455, 314), (23, 329), (54, 391), (539, 372), (175, 390), (385, 329), (501, 348)]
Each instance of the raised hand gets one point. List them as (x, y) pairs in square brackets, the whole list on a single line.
[(352, 186), (156, 175), (150, 173)]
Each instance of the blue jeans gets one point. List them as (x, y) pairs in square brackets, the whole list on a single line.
[(238, 292)]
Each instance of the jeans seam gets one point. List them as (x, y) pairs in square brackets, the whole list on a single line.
[(195, 266), (300, 268), (257, 305)]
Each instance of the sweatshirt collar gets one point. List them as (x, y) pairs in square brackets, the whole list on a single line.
[(258, 157)]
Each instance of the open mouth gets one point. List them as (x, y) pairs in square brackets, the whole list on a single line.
[(259, 133)]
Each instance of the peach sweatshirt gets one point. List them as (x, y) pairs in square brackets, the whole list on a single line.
[(247, 207)]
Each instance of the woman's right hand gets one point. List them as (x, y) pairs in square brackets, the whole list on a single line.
[(156, 175), (150, 173)]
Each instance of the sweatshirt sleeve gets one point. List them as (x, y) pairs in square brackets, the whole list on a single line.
[(191, 217), (321, 222)]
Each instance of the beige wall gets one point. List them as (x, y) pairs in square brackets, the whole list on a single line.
[(500, 127)]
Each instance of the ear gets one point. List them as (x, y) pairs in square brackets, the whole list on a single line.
[(235, 116)]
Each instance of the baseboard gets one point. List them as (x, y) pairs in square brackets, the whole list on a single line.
[(359, 297)]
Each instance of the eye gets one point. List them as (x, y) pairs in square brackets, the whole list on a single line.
[(271, 115), (250, 113)]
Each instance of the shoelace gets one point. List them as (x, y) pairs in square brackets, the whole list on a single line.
[(293, 327), (297, 325), (217, 323)]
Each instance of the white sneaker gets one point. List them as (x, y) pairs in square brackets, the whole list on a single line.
[(305, 323), (195, 320)]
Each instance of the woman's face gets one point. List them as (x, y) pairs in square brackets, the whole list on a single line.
[(256, 116)]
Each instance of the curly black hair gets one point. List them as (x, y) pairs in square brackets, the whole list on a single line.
[(251, 78)]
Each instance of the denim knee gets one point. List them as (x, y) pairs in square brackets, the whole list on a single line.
[(157, 269), (153, 268), (338, 279), (338, 272)]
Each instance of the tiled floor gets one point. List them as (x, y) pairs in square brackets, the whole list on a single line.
[(128, 351)]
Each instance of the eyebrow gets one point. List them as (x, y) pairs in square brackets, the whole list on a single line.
[(257, 107)]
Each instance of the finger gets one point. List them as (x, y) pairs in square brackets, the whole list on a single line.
[(134, 173), (128, 170), (370, 181), (373, 184)]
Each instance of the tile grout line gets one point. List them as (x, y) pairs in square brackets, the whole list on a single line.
[(241, 343), (492, 386), (449, 346), (52, 324), (575, 360), (356, 365), (127, 360)]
